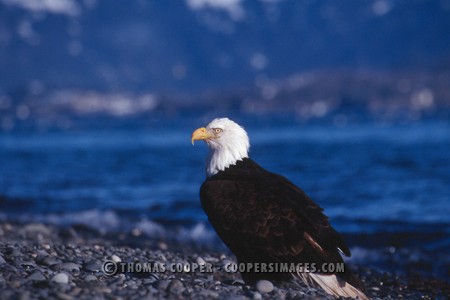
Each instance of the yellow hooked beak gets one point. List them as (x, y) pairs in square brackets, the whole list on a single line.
[(201, 134)]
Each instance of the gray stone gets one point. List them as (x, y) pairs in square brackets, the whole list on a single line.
[(93, 266), (41, 252), (116, 258), (264, 286), (36, 276), (90, 278), (201, 261), (162, 284), (238, 282), (236, 297), (49, 261), (151, 279), (226, 263), (70, 267), (207, 294), (119, 280), (61, 278), (175, 287), (2, 260), (9, 268), (63, 296), (16, 253), (24, 296), (130, 283), (23, 263), (7, 294)]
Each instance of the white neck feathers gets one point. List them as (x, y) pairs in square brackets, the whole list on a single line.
[(223, 157)]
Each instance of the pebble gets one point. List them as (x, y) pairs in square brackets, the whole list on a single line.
[(93, 266), (201, 261), (238, 282), (36, 276), (24, 296), (63, 296), (162, 246), (175, 287), (264, 286), (8, 268), (120, 279), (61, 278), (16, 253), (2, 260), (227, 262), (8, 294), (70, 267), (116, 259), (49, 261), (90, 277), (23, 263), (41, 252), (162, 284)]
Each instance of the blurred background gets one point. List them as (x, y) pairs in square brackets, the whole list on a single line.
[(349, 99)]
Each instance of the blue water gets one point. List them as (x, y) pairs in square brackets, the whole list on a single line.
[(381, 185)]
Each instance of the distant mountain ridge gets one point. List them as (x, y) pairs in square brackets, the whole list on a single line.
[(194, 45)]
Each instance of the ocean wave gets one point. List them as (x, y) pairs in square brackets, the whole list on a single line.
[(109, 221)]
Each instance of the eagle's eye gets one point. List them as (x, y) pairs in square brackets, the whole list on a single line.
[(217, 130)]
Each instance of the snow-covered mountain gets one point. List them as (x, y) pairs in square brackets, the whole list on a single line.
[(184, 46)]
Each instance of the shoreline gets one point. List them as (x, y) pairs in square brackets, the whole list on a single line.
[(45, 261)]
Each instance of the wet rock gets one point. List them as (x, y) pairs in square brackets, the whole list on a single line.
[(70, 267), (42, 253), (116, 258), (8, 268), (90, 277), (62, 278), (200, 261), (93, 266), (119, 280), (36, 276), (162, 284), (49, 261), (175, 287), (19, 262), (264, 286), (16, 253), (237, 282), (62, 296), (162, 246), (24, 296), (7, 294)]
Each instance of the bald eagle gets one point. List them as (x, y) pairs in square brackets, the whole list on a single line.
[(263, 217)]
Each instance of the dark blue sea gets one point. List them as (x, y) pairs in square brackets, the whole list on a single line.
[(385, 186)]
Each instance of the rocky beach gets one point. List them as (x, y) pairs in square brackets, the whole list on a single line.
[(41, 261)]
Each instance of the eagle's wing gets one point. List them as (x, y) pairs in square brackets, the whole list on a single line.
[(265, 217)]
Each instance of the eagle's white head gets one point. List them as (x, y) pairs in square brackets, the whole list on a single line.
[(228, 142)]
